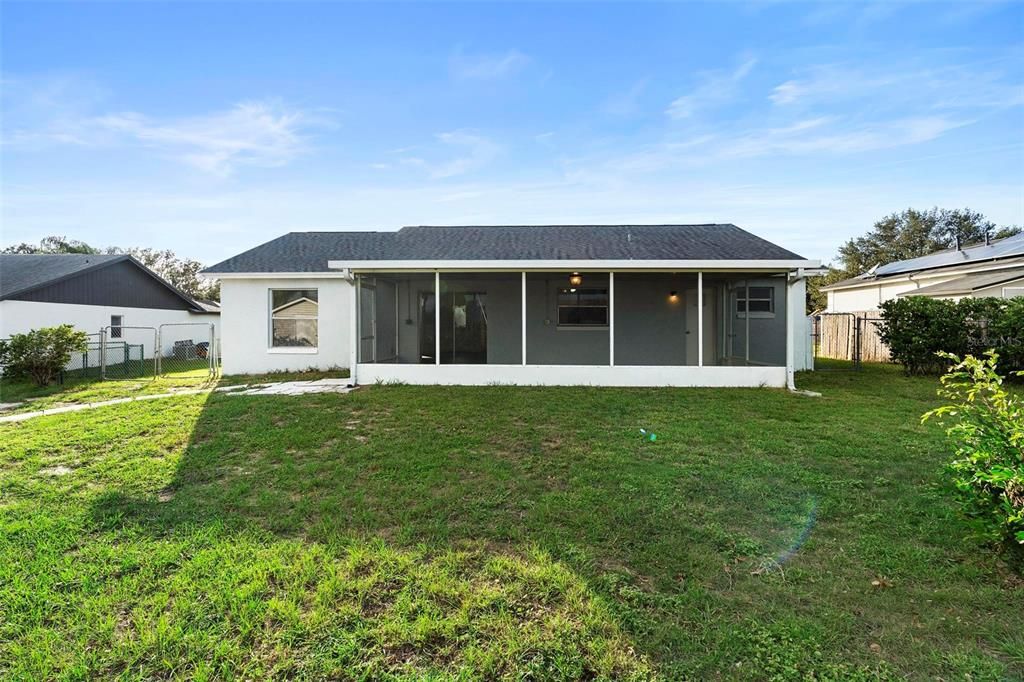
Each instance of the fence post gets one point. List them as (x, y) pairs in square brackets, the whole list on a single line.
[(103, 353), (856, 342)]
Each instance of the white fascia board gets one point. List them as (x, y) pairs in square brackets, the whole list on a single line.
[(333, 274), (574, 265)]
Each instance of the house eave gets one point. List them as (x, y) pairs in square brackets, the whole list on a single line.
[(574, 264)]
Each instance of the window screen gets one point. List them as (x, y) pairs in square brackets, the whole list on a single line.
[(582, 307), (762, 300)]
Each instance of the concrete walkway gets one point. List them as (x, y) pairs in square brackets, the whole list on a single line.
[(279, 388)]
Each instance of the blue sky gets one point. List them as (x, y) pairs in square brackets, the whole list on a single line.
[(209, 128)]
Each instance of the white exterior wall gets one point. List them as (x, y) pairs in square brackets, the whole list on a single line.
[(18, 317), (245, 326), (868, 297)]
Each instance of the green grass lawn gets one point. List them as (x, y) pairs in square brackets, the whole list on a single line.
[(499, 532)]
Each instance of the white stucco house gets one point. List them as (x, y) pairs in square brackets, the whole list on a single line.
[(625, 305), (93, 292), (994, 269)]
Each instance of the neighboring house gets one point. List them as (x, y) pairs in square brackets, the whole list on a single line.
[(94, 292), (995, 269), (643, 305)]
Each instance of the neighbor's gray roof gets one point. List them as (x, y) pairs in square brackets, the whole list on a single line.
[(23, 272), (310, 251), (20, 273), (968, 283)]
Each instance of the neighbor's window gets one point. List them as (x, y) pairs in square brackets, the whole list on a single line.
[(293, 318), (116, 322), (762, 300), (582, 307)]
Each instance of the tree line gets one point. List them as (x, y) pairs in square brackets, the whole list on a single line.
[(182, 273)]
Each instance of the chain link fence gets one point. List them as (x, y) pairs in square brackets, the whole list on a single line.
[(171, 351)]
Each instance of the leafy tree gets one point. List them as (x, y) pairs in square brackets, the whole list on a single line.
[(183, 273), (52, 244), (41, 353), (914, 233)]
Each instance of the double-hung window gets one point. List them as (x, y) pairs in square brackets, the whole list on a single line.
[(116, 322), (293, 318), (582, 308), (761, 301)]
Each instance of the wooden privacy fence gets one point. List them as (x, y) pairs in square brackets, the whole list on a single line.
[(850, 336)]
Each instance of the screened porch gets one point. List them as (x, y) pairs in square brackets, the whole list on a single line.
[(569, 319)]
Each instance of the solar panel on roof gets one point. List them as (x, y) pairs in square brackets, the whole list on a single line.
[(1010, 246)]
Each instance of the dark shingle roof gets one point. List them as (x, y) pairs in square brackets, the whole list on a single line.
[(310, 251), (22, 272)]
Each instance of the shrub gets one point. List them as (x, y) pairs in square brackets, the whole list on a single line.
[(918, 329), (988, 433), (41, 353)]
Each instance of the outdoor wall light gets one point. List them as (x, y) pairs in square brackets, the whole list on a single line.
[(575, 279), (673, 296)]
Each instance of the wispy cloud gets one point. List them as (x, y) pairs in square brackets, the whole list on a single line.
[(828, 136), (715, 88), (249, 134), (253, 133), (474, 151), (486, 66), (899, 85), (627, 102)]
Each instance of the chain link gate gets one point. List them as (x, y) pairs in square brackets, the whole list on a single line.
[(853, 337), (836, 336), (123, 352), (187, 350)]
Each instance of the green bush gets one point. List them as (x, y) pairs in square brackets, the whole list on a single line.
[(917, 329), (988, 432), (41, 353)]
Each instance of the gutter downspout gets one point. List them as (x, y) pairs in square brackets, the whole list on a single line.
[(791, 335), (353, 323)]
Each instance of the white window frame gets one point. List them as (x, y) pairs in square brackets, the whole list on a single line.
[(1014, 291), (271, 348), (741, 295), (119, 327)]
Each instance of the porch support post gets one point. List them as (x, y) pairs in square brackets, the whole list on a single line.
[(791, 321), (353, 320), (746, 318), (524, 318), (700, 319), (611, 319), (437, 317)]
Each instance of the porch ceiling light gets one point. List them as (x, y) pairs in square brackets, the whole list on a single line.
[(575, 279)]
